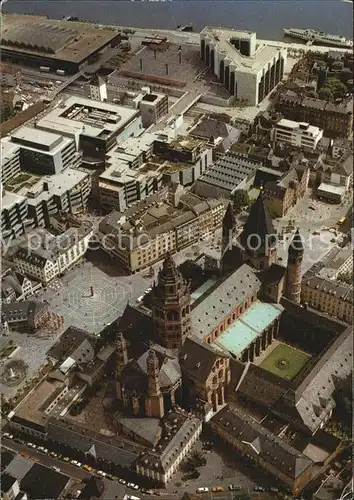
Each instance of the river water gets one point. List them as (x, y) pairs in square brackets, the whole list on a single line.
[(266, 17)]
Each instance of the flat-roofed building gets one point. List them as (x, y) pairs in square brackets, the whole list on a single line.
[(44, 152), (55, 44), (14, 215), (94, 125), (248, 69), (10, 161), (152, 107), (297, 133), (331, 192), (10, 76), (154, 227), (67, 192)]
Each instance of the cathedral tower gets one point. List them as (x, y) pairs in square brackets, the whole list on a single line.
[(258, 237), (293, 271), (154, 406), (228, 229), (121, 361), (171, 306)]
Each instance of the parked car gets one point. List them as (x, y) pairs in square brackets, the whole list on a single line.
[(122, 481), (234, 487), (218, 489), (133, 486), (66, 459), (54, 467), (203, 489), (101, 473), (87, 467), (259, 488)]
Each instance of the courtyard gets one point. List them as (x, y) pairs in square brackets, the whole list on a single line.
[(285, 361)]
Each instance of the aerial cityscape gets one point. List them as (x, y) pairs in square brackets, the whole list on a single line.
[(176, 259)]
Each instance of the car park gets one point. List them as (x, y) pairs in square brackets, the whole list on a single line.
[(202, 489)]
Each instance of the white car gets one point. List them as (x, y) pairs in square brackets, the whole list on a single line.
[(203, 489), (133, 486), (40, 448), (122, 481), (74, 462), (101, 473), (54, 467), (79, 464)]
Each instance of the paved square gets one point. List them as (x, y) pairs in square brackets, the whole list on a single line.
[(92, 308), (285, 361)]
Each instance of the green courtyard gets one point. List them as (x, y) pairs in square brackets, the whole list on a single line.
[(285, 361)]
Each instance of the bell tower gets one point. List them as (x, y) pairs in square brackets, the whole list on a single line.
[(154, 406), (258, 237), (293, 271), (171, 306)]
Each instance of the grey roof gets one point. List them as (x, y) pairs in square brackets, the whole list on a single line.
[(148, 429), (19, 467), (259, 224), (178, 427), (210, 128), (315, 393), (110, 449), (22, 311), (170, 371), (68, 343), (329, 287), (39, 36), (84, 353), (262, 442), (197, 359), (222, 300), (229, 171)]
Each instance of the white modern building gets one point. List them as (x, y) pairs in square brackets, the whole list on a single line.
[(44, 152), (46, 256), (98, 89), (10, 161), (95, 126), (297, 133), (67, 192), (248, 69), (152, 107)]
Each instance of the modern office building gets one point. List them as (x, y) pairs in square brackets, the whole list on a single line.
[(95, 126), (152, 106), (14, 215), (297, 133), (10, 161), (248, 69), (67, 192), (45, 152)]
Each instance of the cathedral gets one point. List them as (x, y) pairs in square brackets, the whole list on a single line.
[(178, 353)]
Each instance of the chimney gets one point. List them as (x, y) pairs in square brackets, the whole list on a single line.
[(141, 65)]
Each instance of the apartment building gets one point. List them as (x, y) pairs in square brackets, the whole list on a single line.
[(46, 256), (150, 229), (44, 152), (328, 296), (10, 76), (10, 161), (15, 287), (297, 133), (335, 119)]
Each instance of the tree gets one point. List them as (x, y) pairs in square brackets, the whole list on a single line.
[(240, 200), (198, 459), (325, 94)]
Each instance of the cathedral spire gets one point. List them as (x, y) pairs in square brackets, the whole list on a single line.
[(258, 237)]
